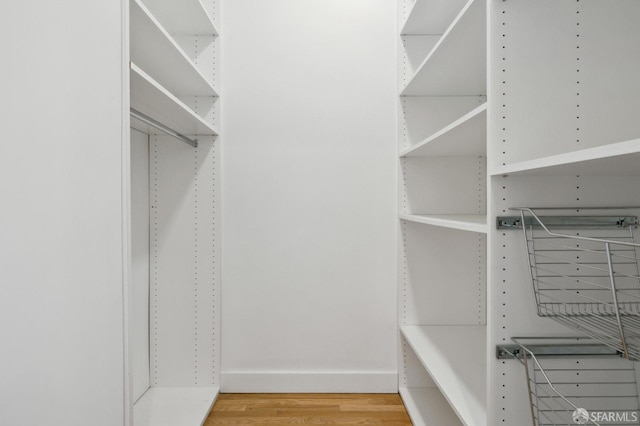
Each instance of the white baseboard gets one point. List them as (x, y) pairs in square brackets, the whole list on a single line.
[(309, 382)]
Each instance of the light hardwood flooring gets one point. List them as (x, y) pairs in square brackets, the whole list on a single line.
[(312, 409)]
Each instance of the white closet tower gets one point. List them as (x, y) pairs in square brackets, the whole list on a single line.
[(109, 287), (443, 202), (174, 82), (503, 103)]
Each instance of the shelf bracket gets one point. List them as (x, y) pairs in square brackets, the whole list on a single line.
[(564, 222), (513, 351), (156, 124)]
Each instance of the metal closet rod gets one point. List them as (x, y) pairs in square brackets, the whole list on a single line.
[(165, 129)]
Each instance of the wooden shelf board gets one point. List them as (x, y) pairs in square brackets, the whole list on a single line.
[(427, 407), (455, 357), (457, 63), (473, 223), (155, 51), (617, 159), (153, 100), (187, 17), (431, 16), (164, 406), (466, 136)]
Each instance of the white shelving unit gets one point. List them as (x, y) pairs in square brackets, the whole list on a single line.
[(173, 54), (555, 129), (443, 210), (560, 135), (127, 344)]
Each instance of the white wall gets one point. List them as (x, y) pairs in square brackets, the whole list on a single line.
[(61, 214), (309, 219)]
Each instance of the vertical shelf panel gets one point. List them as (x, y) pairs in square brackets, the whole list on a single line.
[(562, 134), (65, 231)]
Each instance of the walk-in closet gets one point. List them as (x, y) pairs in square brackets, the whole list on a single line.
[(432, 198)]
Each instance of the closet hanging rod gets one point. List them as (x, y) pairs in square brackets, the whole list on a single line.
[(169, 131)]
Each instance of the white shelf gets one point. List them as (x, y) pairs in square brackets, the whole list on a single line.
[(457, 63), (153, 100), (186, 17), (154, 50), (427, 407), (431, 16), (455, 357), (473, 223), (618, 159), (160, 406), (467, 136)]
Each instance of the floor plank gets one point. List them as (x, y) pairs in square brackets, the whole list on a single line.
[(311, 409)]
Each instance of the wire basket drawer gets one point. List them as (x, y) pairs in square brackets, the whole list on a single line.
[(586, 276), (588, 389)]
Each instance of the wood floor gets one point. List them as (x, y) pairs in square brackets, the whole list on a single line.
[(311, 409)]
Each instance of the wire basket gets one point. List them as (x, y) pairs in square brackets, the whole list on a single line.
[(587, 277), (579, 389)]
